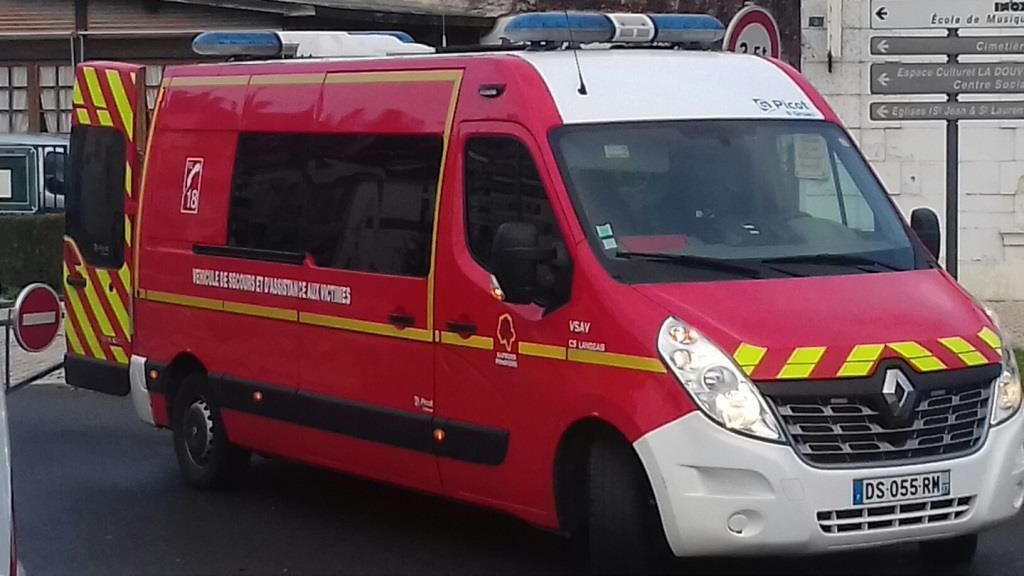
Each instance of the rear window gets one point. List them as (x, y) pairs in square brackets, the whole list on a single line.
[(95, 195)]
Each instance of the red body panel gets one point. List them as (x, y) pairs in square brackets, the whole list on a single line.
[(263, 338)]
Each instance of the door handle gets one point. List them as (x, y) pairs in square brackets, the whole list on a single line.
[(401, 320), (76, 281), (462, 328)]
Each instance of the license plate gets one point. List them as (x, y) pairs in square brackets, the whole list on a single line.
[(899, 488)]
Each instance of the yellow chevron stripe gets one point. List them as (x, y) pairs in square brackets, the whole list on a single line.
[(967, 353), (93, 299), (83, 116), (802, 362), (126, 278), (124, 109), (93, 83), (128, 178), (918, 356), (478, 342), (990, 337), (73, 302), (72, 338), (861, 360), (104, 118), (119, 355), (542, 350), (76, 97), (127, 231), (749, 357), (120, 309)]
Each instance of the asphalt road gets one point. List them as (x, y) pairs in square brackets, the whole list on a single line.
[(97, 492)]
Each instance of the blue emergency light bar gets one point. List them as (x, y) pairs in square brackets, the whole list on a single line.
[(266, 44), (274, 44), (594, 27)]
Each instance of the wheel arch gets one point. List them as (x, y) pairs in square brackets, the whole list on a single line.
[(183, 365), (570, 464)]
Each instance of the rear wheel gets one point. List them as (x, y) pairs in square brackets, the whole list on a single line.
[(620, 530), (954, 553), (206, 458)]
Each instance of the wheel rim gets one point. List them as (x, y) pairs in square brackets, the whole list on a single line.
[(199, 432)]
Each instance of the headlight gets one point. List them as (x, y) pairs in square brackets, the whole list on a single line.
[(1008, 389), (714, 381)]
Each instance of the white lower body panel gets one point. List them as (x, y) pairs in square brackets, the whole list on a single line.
[(140, 393), (720, 493)]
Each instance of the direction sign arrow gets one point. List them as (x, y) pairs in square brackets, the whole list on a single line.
[(958, 78), (902, 111), (945, 14), (953, 46)]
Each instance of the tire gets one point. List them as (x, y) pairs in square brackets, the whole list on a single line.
[(949, 554), (207, 460), (620, 529)]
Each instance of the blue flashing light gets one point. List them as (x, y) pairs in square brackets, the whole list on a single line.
[(237, 44), (404, 37), (687, 28), (578, 27), (594, 27)]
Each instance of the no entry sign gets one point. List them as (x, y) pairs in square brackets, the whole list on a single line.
[(754, 31), (36, 317)]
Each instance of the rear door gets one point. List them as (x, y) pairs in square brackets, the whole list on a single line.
[(107, 137)]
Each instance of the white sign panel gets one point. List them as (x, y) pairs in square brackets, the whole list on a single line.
[(889, 14), (6, 187)]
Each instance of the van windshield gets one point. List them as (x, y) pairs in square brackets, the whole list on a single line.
[(698, 200)]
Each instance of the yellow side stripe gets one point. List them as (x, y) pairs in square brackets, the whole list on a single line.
[(261, 311), (749, 357), (181, 300), (363, 326), (641, 363), (393, 77), (542, 350), (92, 82), (120, 308), (990, 337), (478, 342), (802, 362), (72, 337), (124, 109)]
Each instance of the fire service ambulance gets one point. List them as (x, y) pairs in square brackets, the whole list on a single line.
[(603, 278)]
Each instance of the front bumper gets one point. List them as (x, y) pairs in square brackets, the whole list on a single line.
[(719, 493)]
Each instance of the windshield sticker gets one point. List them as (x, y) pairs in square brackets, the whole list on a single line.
[(616, 152), (604, 231), (795, 108), (811, 157), (609, 243), (191, 185)]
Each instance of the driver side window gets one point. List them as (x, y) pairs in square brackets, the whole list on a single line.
[(826, 190)]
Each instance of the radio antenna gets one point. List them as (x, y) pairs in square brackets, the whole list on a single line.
[(582, 89), (444, 31)]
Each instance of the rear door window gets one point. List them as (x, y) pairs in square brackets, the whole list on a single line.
[(95, 195)]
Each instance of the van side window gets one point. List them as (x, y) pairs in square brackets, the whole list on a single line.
[(502, 185), (95, 195), (352, 202)]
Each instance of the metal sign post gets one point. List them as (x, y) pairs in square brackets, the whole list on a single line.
[(950, 79)]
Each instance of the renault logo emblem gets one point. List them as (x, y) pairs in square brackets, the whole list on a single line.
[(898, 392)]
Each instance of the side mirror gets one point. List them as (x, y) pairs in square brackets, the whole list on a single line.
[(925, 223), (53, 172), (516, 256)]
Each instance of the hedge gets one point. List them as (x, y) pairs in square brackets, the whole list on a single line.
[(31, 249)]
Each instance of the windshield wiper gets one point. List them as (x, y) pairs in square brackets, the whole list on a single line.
[(696, 262), (833, 260)]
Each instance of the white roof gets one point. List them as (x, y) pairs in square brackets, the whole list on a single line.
[(637, 85)]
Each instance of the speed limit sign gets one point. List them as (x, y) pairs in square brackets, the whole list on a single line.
[(754, 31)]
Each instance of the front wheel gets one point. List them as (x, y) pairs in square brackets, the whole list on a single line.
[(206, 458), (620, 525), (953, 553)]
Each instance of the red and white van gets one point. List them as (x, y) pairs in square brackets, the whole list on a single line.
[(648, 296)]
